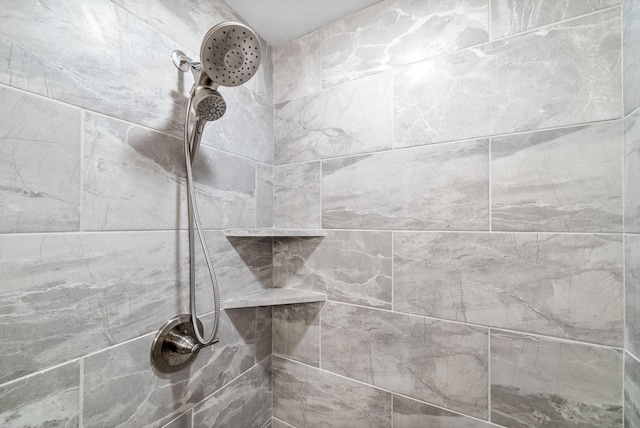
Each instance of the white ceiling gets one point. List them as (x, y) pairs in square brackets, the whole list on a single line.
[(278, 21)]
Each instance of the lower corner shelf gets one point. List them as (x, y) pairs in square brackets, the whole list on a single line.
[(274, 296)]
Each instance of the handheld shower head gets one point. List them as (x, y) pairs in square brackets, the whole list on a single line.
[(230, 54), (209, 106)]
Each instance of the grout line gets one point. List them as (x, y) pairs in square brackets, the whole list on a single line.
[(461, 140), (81, 395), (489, 375), (490, 186), (632, 356), (82, 164), (407, 231), (283, 422), (193, 417), (320, 306), (486, 327), (632, 112)]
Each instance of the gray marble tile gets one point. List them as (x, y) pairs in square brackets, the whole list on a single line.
[(297, 67), (351, 267), (560, 75), (244, 402), (264, 196), (436, 361), (631, 391), (296, 332), (632, 173), (95, 55), (443, 187), (632, 293), (182, 421), (139, 396), (631, 57), (296, 195), (511, 17), (277, 423), (525, 282), (39, 164), (134, 179), (264, 329), (48, 399), (65, 296), (394, 33), (563, 180), (262, 81), (185, 21), (542, 382), (354, 118), (246, 129), (306, 397), (408, 413), (268, 424)]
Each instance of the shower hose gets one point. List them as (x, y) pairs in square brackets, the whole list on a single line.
[(193, 217)]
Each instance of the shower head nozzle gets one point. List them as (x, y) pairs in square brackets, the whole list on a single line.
[(230, 54), (209, 104)]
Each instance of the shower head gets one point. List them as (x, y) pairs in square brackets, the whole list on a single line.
[(208, 104), (230, 54)]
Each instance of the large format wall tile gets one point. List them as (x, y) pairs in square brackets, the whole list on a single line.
[(64, 296), (558, 285), (246, 129), (564, 74), (264, 330), (307, 397), (632, 173), (182, 421), (244, 402), (408, 413), (296, 332), (399, 32), (350, 119), (182, 20), (264, 196), (631, 391), (39, 164), (95, 55), (631, 57), (563, 180), (632, 294), (443, 187), (511, 17), (350, 266), (436, 361), (297, 67), (296, 195), (48, 399), (138, 395), (541, 382), (134, 179)]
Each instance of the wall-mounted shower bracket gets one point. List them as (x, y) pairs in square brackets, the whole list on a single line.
[(175, 347)]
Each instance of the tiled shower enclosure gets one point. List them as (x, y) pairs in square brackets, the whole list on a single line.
[(476, 164)]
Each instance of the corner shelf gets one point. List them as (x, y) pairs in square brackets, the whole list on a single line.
[(274, 233), (274, 296)]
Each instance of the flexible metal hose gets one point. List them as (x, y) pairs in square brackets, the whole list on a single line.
[(193, 217)]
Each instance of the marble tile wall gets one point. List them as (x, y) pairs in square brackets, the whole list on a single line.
[(631, 95), (475, 260), (93, 255)]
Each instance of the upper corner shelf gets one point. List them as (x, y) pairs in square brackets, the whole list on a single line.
[(275, 233)]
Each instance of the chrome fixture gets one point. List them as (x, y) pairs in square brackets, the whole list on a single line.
[(230, 55)]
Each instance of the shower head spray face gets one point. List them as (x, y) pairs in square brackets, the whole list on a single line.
[(209, 104), (230, 54)]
